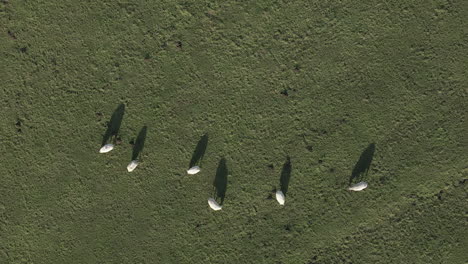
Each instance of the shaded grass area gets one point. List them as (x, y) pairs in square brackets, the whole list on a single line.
[(317, 81), (220, 181), (199, 152), (139, 143), (362, 166), (285, 176), (113, 126)]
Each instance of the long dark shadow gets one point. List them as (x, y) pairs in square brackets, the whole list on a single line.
[(139, 143), (220, 181), (285, 175), (113, 126), (199, 151), (363, 164)]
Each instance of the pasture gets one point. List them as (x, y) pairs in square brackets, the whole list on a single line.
[(303, 96)]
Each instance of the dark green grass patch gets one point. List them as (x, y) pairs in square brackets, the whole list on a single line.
[(303, 96)]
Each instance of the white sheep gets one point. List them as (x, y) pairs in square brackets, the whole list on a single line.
[(280, 197), (358, 186), (214, 205), (194, 170), (106, 148), (132, 165)]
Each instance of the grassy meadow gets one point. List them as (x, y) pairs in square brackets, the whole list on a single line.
[(307, 95)]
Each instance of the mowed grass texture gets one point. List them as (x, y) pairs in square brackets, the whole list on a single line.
[(315, 81)]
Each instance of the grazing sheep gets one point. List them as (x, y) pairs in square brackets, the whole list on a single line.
[(132, 165), (358, 186), (106, 148), (194, 170), (214, 205), (280, 197)]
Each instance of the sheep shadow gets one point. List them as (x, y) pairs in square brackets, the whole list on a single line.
[(363, 164), (139, 143), (285, 175), (199, 151), (220, 181), (113, 126)]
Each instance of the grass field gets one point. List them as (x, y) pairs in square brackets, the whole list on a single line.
[(336, 86)]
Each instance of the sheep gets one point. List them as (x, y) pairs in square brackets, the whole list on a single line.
[(214, 205), (280, 197), (194, 170), (132, 165), (358, 186), (106, 148)]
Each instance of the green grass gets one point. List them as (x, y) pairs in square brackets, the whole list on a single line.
[(356, 72)]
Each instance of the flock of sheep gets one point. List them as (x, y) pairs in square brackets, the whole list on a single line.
[(280, 197)]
